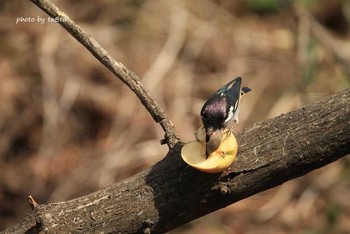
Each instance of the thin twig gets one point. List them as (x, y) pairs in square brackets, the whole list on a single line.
[(117, 68), (33, 204)]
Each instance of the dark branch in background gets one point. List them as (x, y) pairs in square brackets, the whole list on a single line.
[(338, 48), (117, 68), (170, 193)]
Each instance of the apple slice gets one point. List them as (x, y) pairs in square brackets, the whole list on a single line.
[(193, 153)]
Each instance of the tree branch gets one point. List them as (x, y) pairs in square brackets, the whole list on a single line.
[(170, 193), (117, 68)]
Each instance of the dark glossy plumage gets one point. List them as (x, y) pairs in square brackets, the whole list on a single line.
[(221, 109)]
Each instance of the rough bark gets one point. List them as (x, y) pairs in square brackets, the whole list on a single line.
[(170, 193)]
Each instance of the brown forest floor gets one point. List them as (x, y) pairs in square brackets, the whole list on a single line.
[(68, 127)]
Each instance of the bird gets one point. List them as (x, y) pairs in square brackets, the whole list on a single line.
[(220, 112)]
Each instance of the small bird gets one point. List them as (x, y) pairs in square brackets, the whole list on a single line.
[(220, 112)]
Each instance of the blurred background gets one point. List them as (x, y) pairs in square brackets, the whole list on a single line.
[(68, 127)]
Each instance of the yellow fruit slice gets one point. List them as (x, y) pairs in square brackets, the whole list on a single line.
[(193, 153)]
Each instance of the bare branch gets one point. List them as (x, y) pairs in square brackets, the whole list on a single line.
[(170, 193), (117, 68), (340, 49)]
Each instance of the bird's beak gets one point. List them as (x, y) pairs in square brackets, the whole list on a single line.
[(213, 142)]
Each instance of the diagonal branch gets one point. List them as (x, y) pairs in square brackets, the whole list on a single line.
[(170, 193), (117, 68)]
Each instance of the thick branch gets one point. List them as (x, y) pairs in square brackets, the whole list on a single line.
[(170, 193), (117, 68)]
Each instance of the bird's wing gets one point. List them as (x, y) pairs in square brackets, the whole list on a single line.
[(233, 94), (222, 91)]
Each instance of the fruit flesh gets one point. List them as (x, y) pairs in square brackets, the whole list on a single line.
[(193, 153)]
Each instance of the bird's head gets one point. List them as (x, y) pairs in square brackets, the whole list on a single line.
[(213, 141)]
